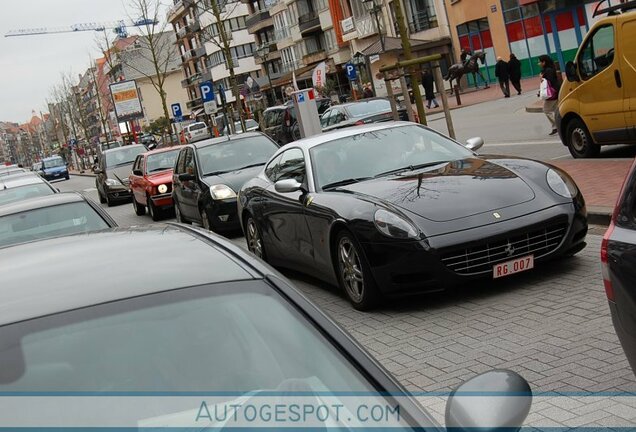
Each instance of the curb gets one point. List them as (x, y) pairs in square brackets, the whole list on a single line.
[(597, 215), (536, 107), (84, 174)]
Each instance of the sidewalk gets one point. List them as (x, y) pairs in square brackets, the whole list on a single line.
[(472, 96), (86, 173), (600, 180)]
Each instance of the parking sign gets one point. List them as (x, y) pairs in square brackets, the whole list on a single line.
[(177, 114), (207, 92), (350, 69)]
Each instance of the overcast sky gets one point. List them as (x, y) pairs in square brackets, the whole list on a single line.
[(31, 65)]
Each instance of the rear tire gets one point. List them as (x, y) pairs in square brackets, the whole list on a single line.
[(139, 209), (154, 212), (579, 140), (254, 238), (354, 273)]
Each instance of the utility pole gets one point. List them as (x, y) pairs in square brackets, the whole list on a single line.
[(408, 55)]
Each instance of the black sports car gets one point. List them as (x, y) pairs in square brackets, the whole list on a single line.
[(397, 208)]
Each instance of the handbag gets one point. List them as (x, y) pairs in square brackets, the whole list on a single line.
[(546, 91)]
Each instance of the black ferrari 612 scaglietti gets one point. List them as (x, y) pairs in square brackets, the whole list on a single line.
[(397, 208)]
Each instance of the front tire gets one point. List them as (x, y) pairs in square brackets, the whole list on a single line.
[(580, 142), (254, 238), (205, 220), (154, 212), (354, 273), (139, 209)]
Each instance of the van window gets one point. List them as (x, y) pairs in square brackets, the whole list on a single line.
[(597, 53)]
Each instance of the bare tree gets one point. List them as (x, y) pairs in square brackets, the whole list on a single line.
[(222, 10), (98, 86)]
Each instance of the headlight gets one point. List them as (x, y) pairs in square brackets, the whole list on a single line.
[(221, 192), (560, 184), (162, 188), (112, 182), (392, 225)]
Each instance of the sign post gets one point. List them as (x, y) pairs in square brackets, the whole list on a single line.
[(209, 103), (127, 102), (352, 75)]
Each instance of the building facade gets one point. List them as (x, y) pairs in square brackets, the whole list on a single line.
[(527, 28)]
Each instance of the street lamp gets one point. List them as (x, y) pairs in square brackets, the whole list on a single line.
[(375, 8), (263, 52)]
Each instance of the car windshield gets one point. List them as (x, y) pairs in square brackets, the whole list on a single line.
[(235, 154), (20, 193), (363, 109), (48, 222), (53, 163), (161, 161), (123, 156), (369, 154)]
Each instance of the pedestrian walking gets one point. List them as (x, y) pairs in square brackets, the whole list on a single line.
[(429, 92), (549, 73), (501, 72), (514, 70)]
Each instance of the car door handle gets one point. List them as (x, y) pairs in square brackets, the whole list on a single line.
[(617, 77)]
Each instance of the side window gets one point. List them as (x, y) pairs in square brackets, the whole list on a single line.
[(336, 117), (189, 165), (292, 165), (324, 120), (180, 165), (597, 53), (272, 169), (137, 164)]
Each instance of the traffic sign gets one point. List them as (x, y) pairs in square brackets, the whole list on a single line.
[(207, 91), (210, 107), (350, 69), (176, 112)]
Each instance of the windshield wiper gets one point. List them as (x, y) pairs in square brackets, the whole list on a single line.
[(409, 168), (250, 166), (233, 169), (344, 182)]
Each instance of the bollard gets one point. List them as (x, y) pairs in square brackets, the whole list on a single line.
[(459, 99)]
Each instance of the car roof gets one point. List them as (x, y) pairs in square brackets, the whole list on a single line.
[(122, 148), (112, 268), (312, 141), (51, 158), (20, 179), (359, 102), (40, 202), (277, 107), (225, 138), (163, 150)]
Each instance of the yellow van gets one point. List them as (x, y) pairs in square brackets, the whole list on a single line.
[(597, 103)]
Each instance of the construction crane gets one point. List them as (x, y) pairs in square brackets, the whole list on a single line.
[(119, 27)]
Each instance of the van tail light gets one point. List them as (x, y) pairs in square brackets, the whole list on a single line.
[(609, 290), (359, 123)]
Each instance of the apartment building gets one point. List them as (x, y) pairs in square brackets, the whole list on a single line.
[(89, 107)]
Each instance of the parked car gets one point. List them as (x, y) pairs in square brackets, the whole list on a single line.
[(53, 168), (151, 182), (50, 216), (596, 104), (228, 323), (21, 186), (109, 145), (113, 169), (148, 140), (280, 122), (396, 208), (12, 171), (208, 174), (618, 258), (250, 126), (373, 110), (196, 132)]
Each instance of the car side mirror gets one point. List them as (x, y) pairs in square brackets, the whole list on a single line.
[(186, 177), (475, 143), (571, 72), (287, 186), (137, 172), (494, 400)]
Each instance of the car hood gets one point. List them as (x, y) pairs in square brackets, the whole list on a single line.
[(160, 177), (449, 191), (120, 173), (55, 169), (233, 179)]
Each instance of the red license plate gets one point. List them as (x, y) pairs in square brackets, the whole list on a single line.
[(513, 266)]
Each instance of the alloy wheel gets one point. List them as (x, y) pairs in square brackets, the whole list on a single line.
[(351, 269), (579, 140), (254, 242)]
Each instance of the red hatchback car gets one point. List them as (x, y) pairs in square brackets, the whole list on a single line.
[(151, 182)]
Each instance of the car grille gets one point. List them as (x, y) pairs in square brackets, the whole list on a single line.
[(480, 257)]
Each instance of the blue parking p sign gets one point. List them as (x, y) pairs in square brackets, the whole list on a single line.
[(177, 114), (207, 92), (350, 69)]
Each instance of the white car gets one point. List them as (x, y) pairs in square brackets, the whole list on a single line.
[(250, 125), (196, 131)]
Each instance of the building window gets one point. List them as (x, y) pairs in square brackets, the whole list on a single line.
[(330, 40), (421, 15), (475, 36)]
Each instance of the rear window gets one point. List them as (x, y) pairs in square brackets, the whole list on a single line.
[(161, 161), (53, 163), (20, 193), (48, 222), (124, 156), (197, 126), (364, 109)]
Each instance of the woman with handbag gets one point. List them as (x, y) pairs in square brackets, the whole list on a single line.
[(549, 91)]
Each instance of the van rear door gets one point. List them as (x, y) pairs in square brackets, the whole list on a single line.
[(628, 71)]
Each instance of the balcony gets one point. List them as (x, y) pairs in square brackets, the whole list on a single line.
[(258, 20), (188, 29), (422, 21), (206, 76), (367, 26), (193, 54), (195, 103), (314, 57), (289, 67), (308, 22), (178, 8), (281, 34), (192, 79)]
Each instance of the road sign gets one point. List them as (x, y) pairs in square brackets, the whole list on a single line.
[(210, 107), (176, 112), (126, 101), (350, 69), (207, 91)]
